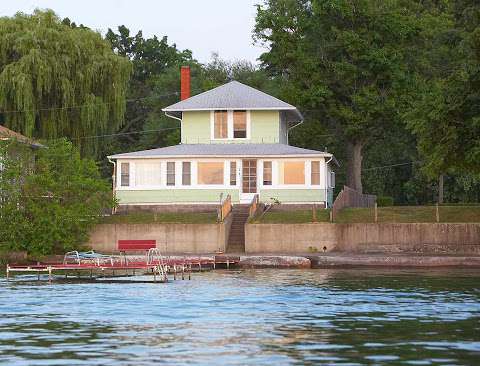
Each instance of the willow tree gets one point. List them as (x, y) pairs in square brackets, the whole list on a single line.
[(59, 81)]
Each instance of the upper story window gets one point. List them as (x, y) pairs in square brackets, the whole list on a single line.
[(220, 121), (239, 124), (125, 174)]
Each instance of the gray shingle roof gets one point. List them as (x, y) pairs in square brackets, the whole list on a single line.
[(234, 95), (212, 150)]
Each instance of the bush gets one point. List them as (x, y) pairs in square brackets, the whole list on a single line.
[(51, 206), (383, 201)]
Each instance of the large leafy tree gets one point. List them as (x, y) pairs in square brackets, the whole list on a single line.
[(445, 113), (57, 80), (53, 207), (343, 62)]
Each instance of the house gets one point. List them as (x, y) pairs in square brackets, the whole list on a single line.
[(13, 150), (234, 141)]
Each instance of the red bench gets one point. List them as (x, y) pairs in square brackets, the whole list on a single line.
[(130, 245)]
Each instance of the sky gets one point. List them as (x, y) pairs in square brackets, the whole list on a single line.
[(203, 26)]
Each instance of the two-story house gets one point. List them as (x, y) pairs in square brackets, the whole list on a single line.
[(234, 140)]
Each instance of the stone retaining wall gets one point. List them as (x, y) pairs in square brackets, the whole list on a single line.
[(363, 238), (171, 238)]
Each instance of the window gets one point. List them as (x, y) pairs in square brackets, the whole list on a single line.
[(125, 174), (239, 124), (233, 173), (170, 173), (147, 174), (267, 173), (186, 173), (220, 124), (291, 172), (210, 173), (315, 175)]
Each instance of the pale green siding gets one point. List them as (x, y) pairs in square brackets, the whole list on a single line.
[(293, 195), (175, 196), (196, 127), (265, 126)]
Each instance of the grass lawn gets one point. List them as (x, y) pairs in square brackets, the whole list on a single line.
[(164, 217), (292, 217), (410, 214), (392, 214)]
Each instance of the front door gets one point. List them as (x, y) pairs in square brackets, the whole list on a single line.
[(249, 180)]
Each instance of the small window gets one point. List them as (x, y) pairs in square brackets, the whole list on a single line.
[(233, 173), (315, 173), (210, 173), (125, 174), (220, 124), (170, 173), (239, 124), (186, 173), (267, 173), (332, 179)]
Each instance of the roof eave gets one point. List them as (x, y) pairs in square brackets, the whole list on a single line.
[(319, 154)]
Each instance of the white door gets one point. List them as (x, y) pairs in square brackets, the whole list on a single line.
[(249, 180)]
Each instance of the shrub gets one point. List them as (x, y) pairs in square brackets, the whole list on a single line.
[(384, 201), (50, 207)]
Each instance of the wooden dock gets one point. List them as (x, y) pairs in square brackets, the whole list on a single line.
[(176, 266)]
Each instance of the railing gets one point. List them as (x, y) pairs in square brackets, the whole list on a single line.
[(349, 197), (225, 208), (252, 209)]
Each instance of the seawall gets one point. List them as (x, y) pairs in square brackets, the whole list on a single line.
[(171, 238), (401, 238)]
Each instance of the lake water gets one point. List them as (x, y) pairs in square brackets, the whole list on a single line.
[(254, 317)]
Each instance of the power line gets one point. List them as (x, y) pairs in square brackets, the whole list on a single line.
[(392, 165), (126, 133), (82, 105)]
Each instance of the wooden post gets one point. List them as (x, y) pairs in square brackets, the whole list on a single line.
[(8, 272), (376, 212), (154, 274), (437, 212), (49, 274)]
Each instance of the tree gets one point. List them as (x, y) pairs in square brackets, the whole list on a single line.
[(344, 62), (59, 80), (49, 207), (445, 113)]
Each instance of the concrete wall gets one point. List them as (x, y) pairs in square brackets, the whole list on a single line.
[(363, 238), (171, 238)]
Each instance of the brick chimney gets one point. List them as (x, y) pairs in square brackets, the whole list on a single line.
[(185, 82)]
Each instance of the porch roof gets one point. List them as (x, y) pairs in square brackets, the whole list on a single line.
[(216, 150)]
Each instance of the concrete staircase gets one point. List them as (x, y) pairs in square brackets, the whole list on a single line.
[(236, 239)]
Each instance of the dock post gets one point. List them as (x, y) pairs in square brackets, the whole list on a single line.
[(91, 274), (38, 275), (189, 271), (174, 272), (8, 272), (228, 263), (154, 274), (49, 274)]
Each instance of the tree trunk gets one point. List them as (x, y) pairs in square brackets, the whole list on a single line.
[(354, 165), (440, 189)]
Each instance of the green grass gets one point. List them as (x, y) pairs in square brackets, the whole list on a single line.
[(292, 217), (164, 217), (410, 214), (405, 214)]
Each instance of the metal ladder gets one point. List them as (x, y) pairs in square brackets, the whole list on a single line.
[(155, 258)]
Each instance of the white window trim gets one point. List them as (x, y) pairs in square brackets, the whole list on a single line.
[(229, 127), (226, 184)]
